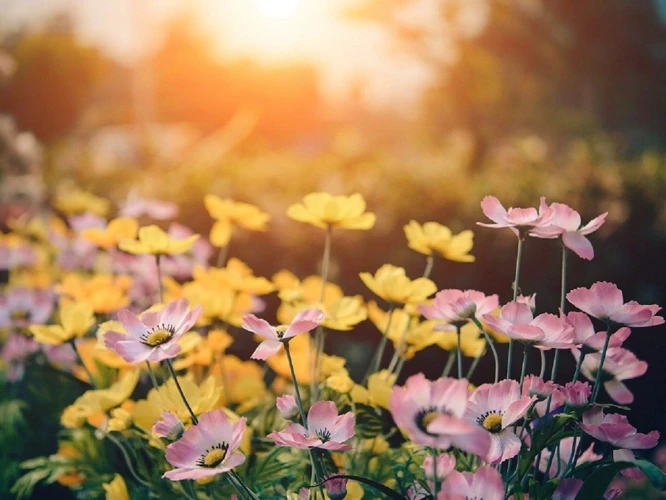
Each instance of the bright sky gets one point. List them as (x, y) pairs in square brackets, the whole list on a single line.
[(269, 30)]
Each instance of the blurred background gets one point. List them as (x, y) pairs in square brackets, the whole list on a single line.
[(422, 106)]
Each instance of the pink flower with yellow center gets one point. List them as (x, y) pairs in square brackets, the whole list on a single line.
[(206, 449), (324, 429), (154, 335)]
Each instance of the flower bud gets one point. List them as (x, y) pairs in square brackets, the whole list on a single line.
[(445, 464), (577, 394), (170, 427), (336, 488)]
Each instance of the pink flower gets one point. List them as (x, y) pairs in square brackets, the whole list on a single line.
[(495, 408), (485, 483), (170, 427), (458, 307), (577, 394), (566, 222), (616, 430), (604, 301), (557, 469), (22, 307), (627, 456), (206, 449), (15, 352), (304, 321), (556, 401), (336, 487), (287, 406), (546, 331), (431, 414), (517, 219), (135, 207), (620, 364), (16, 256), (154, 336), (536, 386), (444, 465), (528, 300), (325, 429), (585, 335)]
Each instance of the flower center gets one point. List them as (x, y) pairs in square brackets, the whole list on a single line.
[(491, 421), (160, 335), (213, 457), (19, 314), (426, 416), (323, 434), (280, 330)]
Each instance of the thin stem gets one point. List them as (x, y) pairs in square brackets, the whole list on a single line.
[(237, 487), (430, 262), (516, 285), (325, 262), (542, 370), (159, 278), (556, 360), (320, 335), (222, 255), (151, 373), (399, 366), (195, 421), (475, 363), (434, 472), (245, 488), (459, 354), (398, 351), (91, 380), (523, 369), (449, 364), (379, 353), (581, 357), (597, 382), (491, 344), (297, 391), (563, 281), (128, 461)]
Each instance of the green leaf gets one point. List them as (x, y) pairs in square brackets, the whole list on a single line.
[(656, 476), (597, 483), (369, 423), (378, 486)]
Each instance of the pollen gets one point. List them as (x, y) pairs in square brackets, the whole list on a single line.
[(18, 314), (159, 336), (429, 417), (492, 422), (280, 330), (214, 456)]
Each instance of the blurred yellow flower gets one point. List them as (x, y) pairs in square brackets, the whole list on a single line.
[(392, 284), (116, 489), (340, 382), (433, 237), (120, 420), (75, 321), (237, 276), (75, 201), (378, 392), (328, 211), (228, 214), (105, 293), (243, 379), (153, 240), (118, 229)]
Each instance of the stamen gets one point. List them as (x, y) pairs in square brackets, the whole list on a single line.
[(158, 335), (213, 456), (491, 421)]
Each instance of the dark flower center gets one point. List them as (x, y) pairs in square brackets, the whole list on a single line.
[(491, 421), (213, 456), (158, 335)]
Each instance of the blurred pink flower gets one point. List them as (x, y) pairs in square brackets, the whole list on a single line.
[(495, 407), (485, 483), (15, 352), (616, 430), (559, 463), (567, 489), (169, 427), (206, 449), (546, 331), (135, 206), (516, 219), (287, 406), (577, 394), (444, 465), (16, 256), (620, 364), (422, 407), (566, 222), (622, 455), (336, 487), (528, 300), (22, 307), (153, 336), (457, 307), (556, 401), (304, 321), (604, 301), (325, 429)]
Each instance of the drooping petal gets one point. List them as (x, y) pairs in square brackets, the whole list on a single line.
[(259, 326), (266, 348), (578, 244), (619, 392)]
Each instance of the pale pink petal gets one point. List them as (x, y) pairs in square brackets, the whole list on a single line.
[(516, 313), (259, 326), (174, 313), (493, 209), (304, 321), (451, 426), (216, 423), (477, 442), (522, 216), (333, 446), (322, 415), (166, 351), (594, 224), (510, 445), (619, 392), (344, 428), (608, 294), (517, 410), (132, 324), (578, 244), (133, 351), (190, 473), (525, 333), (639, 441), (266, 348)]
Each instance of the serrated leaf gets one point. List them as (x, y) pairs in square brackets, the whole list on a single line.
[(369, 424)]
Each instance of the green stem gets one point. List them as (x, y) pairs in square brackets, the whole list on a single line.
[(597, 382), (237, 487), (542, 370), (475, 363), (151, 374), (159, 278), (320, 335), (491, 344), (434, 471), (195, 421), (91, 380), (459, 354), (581, 357), (563, 281), (397, 355), (523, 369), (245, 488), (379, 353), (128, 461), (516, 284), (449, 364), (222, 255), (430, 262)]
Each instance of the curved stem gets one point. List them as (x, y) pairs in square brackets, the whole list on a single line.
[(151, 374), (449, 364), (244, 487), (195, 421), (475, 363), (430, 262), (379, 353), (459, 354), (491, 344), (434, 472), (222, 255), (542, 370), (320, 335), (524, 367), (128, 461), (579, 364)]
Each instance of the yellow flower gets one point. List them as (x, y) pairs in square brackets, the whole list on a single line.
[(432, 237), (340, 382), (116, 489), (236, 276), (327, 211), (120, 420), (118, 229), (75, 321), (392, 284), (202, 398), (153, 240), (380, 387), (105, 293), (220, 303), (75, 202), (243, 379), (228, 214)]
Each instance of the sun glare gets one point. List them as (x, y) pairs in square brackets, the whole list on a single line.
[(277, 8)]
